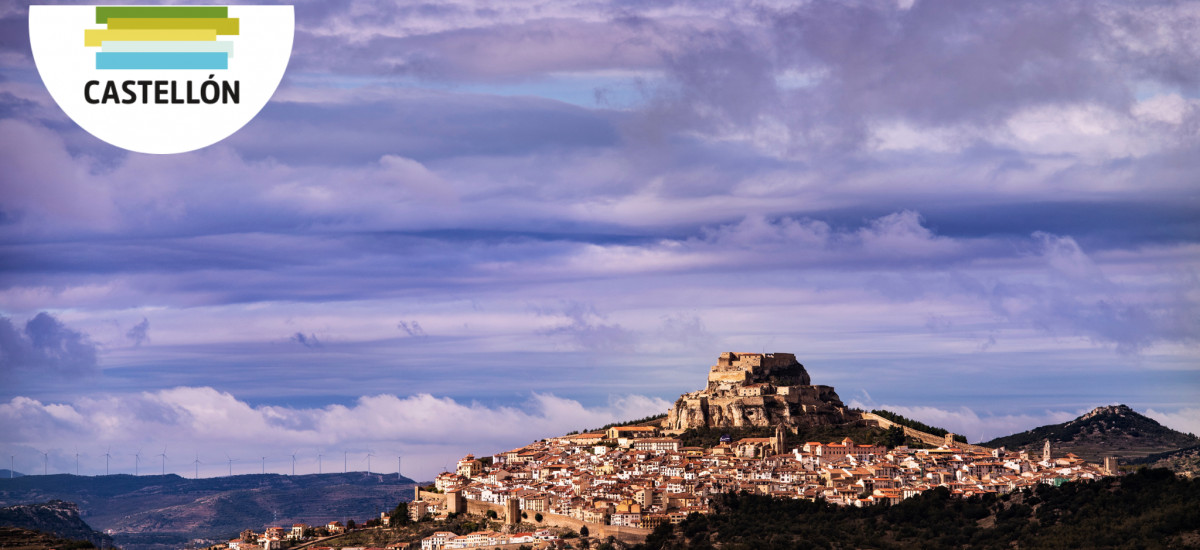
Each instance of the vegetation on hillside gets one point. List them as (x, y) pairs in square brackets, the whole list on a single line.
[(1106, 424), (403, 530), (17, 538), (1185, 460), (1146, 509), (645, 420), (917, 425), (56, 517)]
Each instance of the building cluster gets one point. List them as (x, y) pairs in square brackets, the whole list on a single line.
[(631, 476), (489, 539), (274, 538)]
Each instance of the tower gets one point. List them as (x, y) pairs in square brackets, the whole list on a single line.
[(777, 442), (512, 511), (456, 503), (1046, 452)]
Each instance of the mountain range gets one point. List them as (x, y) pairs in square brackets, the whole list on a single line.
[(145, 512)]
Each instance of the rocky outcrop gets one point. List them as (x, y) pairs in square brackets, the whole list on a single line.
[(57, 517), (758, 390)]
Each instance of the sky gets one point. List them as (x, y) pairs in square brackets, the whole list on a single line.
[(461, 226)]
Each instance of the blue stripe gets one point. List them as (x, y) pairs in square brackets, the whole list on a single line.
[(162, 60)]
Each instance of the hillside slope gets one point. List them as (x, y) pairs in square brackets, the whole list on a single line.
[(147, 510), (55, 517), (1115, 430), (1146, 509)]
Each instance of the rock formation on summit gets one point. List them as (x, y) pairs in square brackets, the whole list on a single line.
[(756, 389)]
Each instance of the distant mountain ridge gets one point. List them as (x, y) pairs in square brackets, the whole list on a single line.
[(55, 517), (164, 511), (1114, 430)]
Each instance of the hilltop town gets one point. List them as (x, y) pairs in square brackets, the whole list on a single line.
[(621, 483), (625, 481)]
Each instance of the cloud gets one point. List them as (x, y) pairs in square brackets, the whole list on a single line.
[(45, 347), (606, 184), (427, 430), (139, 333), (1076, 297), (585, 328), (1186, 420), (684, 331), (310, 341), (413, 329)]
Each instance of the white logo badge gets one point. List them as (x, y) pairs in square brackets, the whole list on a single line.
[(161, 79)]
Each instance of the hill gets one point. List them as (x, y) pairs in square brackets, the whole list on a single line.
[(17, 538), (1146, 509), (1115, 430), (58, 518), (5, 473), (1183, 461), (146, 512)]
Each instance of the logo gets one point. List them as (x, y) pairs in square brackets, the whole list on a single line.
[(161, 79)]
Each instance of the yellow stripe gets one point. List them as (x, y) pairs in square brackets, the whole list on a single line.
[(223, 26), (94, 37)]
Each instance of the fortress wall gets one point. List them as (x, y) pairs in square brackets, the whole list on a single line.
[(630, 535), (923, 437), (734, 376)]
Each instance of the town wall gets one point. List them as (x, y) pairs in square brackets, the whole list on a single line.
[(631, 535), (923, 437)]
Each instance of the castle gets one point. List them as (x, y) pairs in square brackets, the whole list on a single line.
[(757, 389)]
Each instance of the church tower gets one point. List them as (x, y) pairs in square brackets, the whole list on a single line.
[(1046, 451)]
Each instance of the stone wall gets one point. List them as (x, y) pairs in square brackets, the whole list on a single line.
[(631, 535), (923, 437)]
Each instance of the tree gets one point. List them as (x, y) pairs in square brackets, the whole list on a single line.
[(583, 531), (399, 515), (350, 524), (537, 517)]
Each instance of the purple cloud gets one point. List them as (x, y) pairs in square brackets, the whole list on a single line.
[(45, 348)]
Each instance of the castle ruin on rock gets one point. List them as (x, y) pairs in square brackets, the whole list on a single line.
[(757, 389)]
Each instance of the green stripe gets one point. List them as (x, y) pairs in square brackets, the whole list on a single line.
[(104, 12)]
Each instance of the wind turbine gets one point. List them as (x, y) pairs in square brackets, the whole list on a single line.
[(76, 460), (197, 464), (345, 461), (319, 464), (163, 454), (45, 463), (293, 463), (107, 456), (12, 463), (264, 470), (399, 461), (369, 455), (137, 459), (230, 464)]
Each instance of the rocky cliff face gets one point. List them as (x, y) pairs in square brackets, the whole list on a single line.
[(758, 390), (57, 517)]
